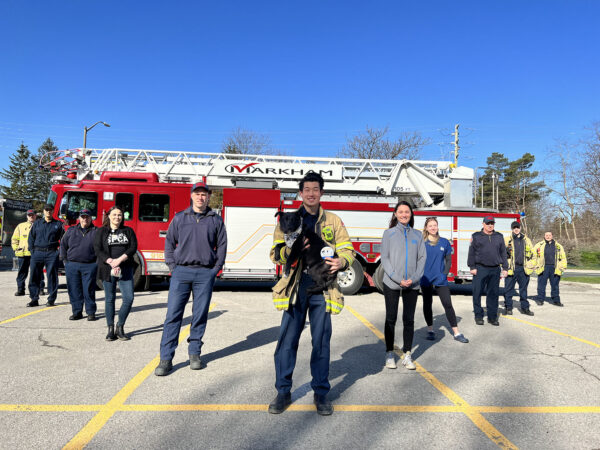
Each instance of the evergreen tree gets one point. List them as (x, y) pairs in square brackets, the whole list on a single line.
[(19, 174), (41, 180)]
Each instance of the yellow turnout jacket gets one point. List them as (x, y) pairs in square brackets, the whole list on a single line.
[(560, 259), (19, 239), (530, 260)]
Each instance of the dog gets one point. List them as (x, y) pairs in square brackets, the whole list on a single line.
[(294, 235)]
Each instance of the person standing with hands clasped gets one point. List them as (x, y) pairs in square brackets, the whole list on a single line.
[(487, 253), (195, 250), (403, 256), (437, 267), (115, 245)]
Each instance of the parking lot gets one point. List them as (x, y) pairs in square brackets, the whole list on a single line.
[(533, 382)]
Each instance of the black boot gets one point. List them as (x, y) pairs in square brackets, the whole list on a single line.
[(120, 332), (111, 333)]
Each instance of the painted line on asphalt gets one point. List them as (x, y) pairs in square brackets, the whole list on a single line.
[(87, 433), (30, 314), (475, 416), (553, 331)]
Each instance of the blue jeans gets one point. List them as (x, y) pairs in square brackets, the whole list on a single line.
[(509, 288), (548, 274), (184, 281), (39, 259), (110, 292), (292, 324), (488, 278), (81, 285)]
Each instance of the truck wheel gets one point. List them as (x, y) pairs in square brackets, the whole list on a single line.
[(351, 279), (138, 279), (378, 278)]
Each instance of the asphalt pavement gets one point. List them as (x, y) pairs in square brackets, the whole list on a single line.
[(532, 382)]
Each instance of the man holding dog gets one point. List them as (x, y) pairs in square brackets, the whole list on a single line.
[(290, 295)]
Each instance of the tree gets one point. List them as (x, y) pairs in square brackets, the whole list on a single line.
[(41, 180), (20, 175), (247, 142), (373, 144), (589, 173)]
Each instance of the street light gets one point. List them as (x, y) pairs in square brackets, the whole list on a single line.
[(86, 129)]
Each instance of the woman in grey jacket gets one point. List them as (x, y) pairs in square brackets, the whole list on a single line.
[(403, 256)]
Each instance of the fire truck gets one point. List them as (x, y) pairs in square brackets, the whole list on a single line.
[(151, 186)]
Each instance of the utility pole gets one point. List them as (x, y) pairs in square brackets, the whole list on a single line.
[(456, 146)]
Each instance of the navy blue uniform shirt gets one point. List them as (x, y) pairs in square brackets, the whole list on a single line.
[(45, 234)]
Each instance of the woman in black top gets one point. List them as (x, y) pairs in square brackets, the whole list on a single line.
[(115, 245)]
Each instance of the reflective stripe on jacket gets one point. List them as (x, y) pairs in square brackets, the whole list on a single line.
[(530, 260), (19, 239), (333, 232), (560, 262)]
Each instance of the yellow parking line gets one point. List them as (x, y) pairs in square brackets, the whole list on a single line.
[(30, 314), (552, 331), (87, 433), (539, 409), (475, 416)]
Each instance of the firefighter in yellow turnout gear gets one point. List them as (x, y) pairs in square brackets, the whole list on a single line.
[(521, 262), (20, 246), (551, 262), (290, 296)]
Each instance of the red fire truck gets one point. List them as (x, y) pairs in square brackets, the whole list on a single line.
[(152, 185)]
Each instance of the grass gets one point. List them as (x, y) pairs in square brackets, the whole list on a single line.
[(592, 280)]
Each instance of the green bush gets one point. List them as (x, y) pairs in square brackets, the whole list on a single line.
[(590, 258)]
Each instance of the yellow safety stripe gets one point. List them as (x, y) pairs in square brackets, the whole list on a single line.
[(281, 300), (282, 258), (344, 244), (277, 242), (348, 258), (331, 302)]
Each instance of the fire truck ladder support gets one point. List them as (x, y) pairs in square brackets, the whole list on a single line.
[(428, 179)]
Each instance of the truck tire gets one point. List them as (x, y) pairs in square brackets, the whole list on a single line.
[(378, 278), (351, 280)]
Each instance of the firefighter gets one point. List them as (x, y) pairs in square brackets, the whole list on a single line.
[(487, 254), (195, 250), (21, 249), (521, 263), (78, 256), (43, 241), (290, 296), (551, 262)]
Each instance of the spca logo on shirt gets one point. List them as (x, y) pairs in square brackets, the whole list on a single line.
[(117, 239)]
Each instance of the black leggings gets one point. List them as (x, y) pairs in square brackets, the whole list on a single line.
[(444, 293), (409, 304)]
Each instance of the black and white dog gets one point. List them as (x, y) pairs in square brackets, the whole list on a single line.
[(291, 225)]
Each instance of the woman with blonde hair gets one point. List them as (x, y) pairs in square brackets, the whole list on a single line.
[(437, 266)]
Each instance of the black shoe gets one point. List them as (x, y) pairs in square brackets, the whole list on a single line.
[(324, 406), (49, 303), (195, 363), (111, 333), (32, 303), (539, 302), (493, 322), (527, 312), (120, 332), (91, 317), (508, 311), (76, 316), (478, 321), (19, 293), (43, 292), (280, 403), (558, 304), (164, 367)]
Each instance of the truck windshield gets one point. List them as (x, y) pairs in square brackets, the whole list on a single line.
[(51, 198), (74, 202)]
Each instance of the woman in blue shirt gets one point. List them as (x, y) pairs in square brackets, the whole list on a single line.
[(437, 266)]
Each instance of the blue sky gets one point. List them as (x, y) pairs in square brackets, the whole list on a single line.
[(183, 74)]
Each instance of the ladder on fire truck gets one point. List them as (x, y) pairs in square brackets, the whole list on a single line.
[(433, 181)]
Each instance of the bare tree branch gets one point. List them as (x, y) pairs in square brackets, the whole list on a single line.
[(372, 144)]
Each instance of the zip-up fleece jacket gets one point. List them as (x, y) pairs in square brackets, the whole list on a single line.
[(403, 256), (487, 250), (196, 240), (19, 239), (77, 245), (560, 263), (331, 228), (529, 263)]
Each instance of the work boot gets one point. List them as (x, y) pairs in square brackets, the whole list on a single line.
[(120, 332), (195, 363), (76, 316), (539, 302), (558, 303), (91, 317), (478, 320), (324, 406), (111, 333), (19, 293), (280, 403), (163, 368), (32, 303), (527, 312), (49, 303), (508, 311), (494, 322)]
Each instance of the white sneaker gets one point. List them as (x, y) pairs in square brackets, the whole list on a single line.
[(408, 362), (390, 360)]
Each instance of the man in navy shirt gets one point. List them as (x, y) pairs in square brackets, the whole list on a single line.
[(195, 250), (43, 243)]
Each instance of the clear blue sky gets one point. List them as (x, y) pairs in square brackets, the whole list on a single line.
[(183, 74)]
